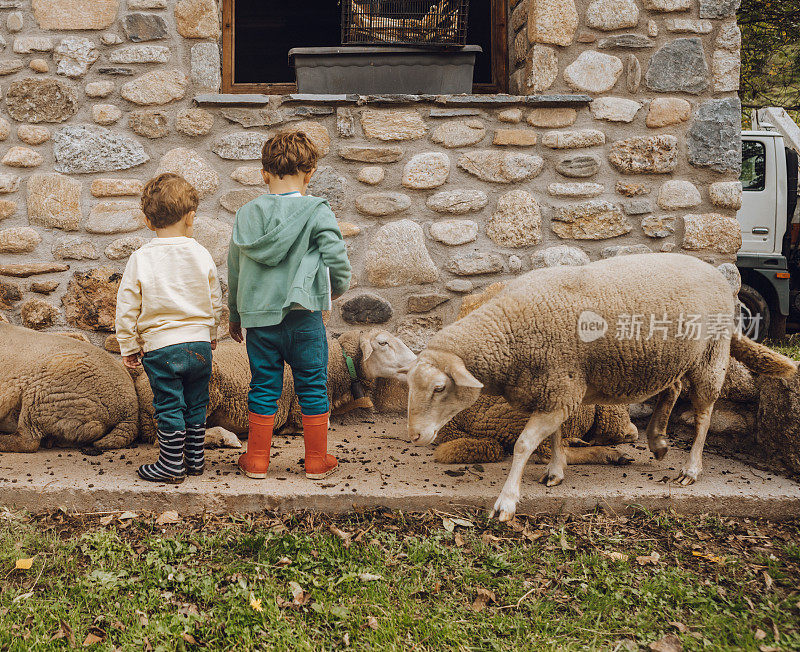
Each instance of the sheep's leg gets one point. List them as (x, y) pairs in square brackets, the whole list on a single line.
[(25, 439), (596, 455), (702, 418), (537, 429), (554, 474), (657, 428)]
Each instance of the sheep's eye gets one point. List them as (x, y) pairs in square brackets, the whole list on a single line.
[(383, 343), (438, 388)]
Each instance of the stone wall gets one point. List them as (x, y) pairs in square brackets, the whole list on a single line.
[(624, 136)]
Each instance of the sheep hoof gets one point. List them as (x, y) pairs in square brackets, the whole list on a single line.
[(660, 453), (621, 459), (551, 480), (686, 478), (504, 509)]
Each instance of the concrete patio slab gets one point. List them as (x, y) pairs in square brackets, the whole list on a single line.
[(379, 468)]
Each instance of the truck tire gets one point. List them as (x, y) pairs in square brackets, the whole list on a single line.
[(755, 315)]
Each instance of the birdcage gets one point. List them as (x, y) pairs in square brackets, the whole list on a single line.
[(404, 22)]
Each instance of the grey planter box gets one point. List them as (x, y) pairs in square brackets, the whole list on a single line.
[(382, 70)]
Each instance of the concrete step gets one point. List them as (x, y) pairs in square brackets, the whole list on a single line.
[(379, 468)]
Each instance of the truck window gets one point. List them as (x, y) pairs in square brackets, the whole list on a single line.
[(754, 165)]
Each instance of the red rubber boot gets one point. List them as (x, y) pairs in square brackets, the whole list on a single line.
[(255, 462), (319, 464)]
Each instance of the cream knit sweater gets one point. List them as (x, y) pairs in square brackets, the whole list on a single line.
[(169, 294)]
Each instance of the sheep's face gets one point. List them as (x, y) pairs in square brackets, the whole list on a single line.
[(439, 387), (385, 355)]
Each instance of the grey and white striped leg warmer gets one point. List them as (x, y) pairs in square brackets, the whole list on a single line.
[(170, 465), (195, 455)]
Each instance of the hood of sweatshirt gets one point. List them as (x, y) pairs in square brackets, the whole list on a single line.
[(267, 227)]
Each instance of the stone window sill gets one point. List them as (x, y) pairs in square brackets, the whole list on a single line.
[(254, 99)]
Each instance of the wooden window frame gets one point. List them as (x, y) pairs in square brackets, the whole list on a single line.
[(499, 18)]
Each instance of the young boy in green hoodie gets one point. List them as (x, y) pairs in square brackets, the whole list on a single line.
[(287, 261)]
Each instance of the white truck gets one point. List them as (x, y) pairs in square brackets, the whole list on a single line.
[(769, 260)]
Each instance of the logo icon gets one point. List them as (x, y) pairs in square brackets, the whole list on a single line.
[(591, 326)]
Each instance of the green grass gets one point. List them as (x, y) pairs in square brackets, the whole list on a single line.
[(789, 346), (198, 583)]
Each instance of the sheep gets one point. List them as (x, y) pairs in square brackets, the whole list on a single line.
[(543, 344), (61, 391), (380, 359), (486, 431)]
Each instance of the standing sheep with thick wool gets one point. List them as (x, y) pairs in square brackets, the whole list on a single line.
[(525, 346)]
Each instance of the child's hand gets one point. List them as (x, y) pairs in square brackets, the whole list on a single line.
[(213, 345), (132, 361), (235, 331)]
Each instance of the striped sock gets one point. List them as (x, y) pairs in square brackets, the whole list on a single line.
[(170, 466), (195, 456)]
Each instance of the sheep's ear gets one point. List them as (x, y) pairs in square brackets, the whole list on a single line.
[(461, 377), (366, 346)]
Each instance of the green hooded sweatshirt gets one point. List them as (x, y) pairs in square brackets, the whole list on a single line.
[(286, 251)]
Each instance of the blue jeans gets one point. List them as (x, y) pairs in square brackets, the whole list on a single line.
[(300, 341), (179, 376)]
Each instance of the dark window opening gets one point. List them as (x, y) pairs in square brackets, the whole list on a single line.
[(754, 166), (262, 33)]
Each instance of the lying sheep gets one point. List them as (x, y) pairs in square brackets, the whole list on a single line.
[(60, 391), (487, 431), (543, 345), (380, 359)]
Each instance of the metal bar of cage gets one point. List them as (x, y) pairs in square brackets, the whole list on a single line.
[(405, 22)]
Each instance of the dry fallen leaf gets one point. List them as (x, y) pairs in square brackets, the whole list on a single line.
[(346, 537), (767, 580), (64, 631), (372, 622), (652, 558), (91, 639), (482, 599), (562, 540), (24, 564), (459, 540), (191, 640), (448, 524), (683, 629), (670, 643), (708, 557), (614, 555), (126, 516), (168, 518), (369, 577), (769, 648), (489, 539), (106, 520), (299, 596), (760, 635), (284, 561)]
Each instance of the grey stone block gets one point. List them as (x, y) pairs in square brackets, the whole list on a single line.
[(715, 138), (678, 66)]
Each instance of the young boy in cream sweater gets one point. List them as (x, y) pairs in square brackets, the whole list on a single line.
[(170, 299)]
